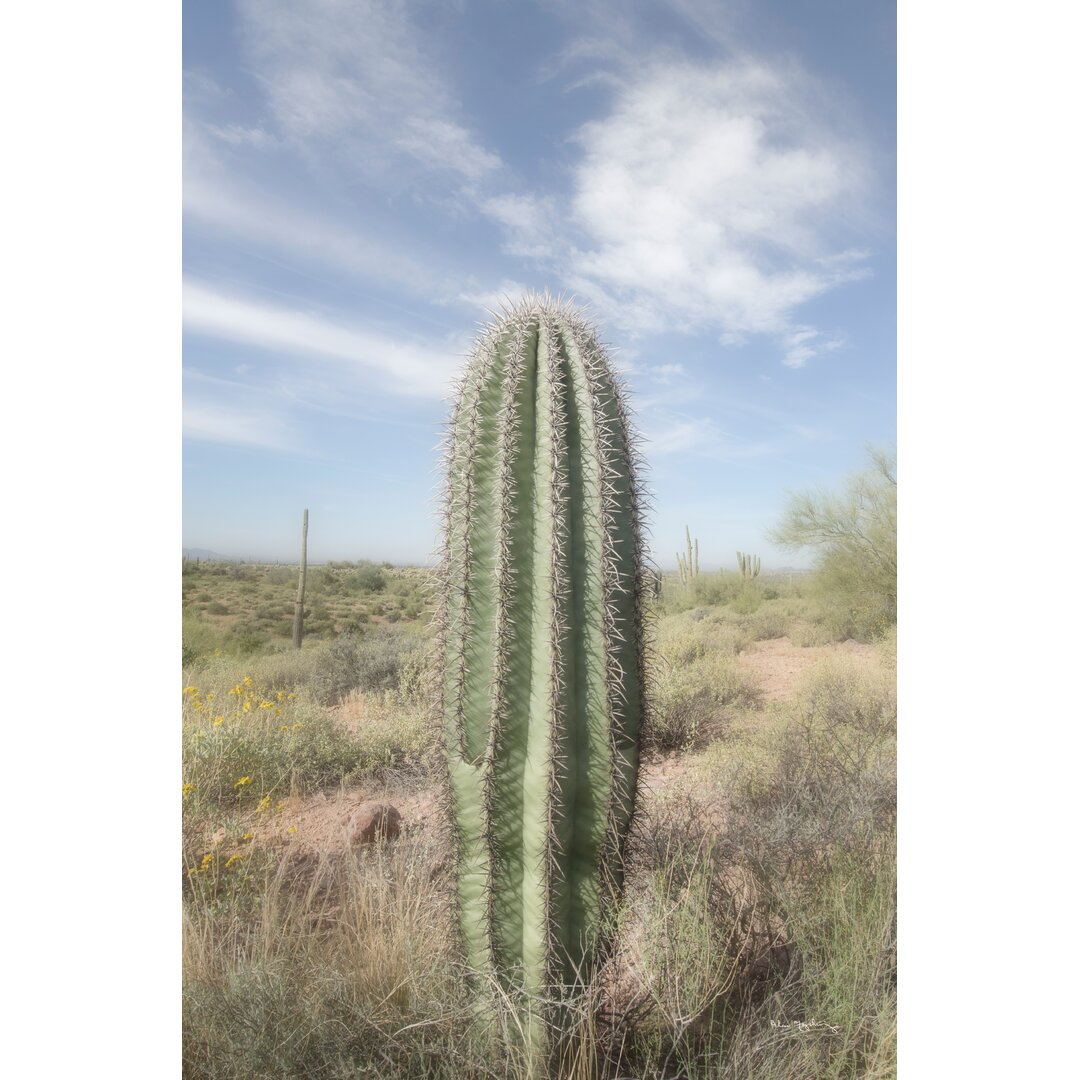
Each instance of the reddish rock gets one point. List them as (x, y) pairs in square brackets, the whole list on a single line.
[(374, 821)]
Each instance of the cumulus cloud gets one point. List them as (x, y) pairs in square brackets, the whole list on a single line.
[(708, 196)]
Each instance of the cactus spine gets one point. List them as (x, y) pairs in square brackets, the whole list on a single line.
[(541, 646), (749, 565)]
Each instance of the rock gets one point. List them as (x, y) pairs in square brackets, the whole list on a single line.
[(373, 821)]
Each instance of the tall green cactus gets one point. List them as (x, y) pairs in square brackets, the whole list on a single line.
[(688, 563), (749, 565), (541, 646)]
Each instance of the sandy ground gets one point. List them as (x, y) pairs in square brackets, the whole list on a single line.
[(779, 664)]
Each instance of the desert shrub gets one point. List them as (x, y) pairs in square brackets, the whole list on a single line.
[(766, 624), (682, 639), (368, 578), (705, 590), (337, 672), (854, 533), (369, 662), (245, 638), (253, 741), (748, 599), (822, 779), (693, 702)]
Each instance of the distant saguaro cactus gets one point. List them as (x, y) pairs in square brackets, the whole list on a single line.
[(749, 565), (541, 649), (298, 611), (688, 564)]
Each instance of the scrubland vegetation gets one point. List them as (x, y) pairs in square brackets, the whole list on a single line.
[(757, 940)]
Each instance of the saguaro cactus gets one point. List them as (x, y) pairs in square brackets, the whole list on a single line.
[(749, 565), (298, 610), (688, 563), (541, 646)]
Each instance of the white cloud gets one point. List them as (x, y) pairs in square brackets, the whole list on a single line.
[(491, 301), (804, 342), (390, 364), (662, 373), (530, 223), (354, 78), (697, 436), (241, 424), (215, 197), (707, 197), (239, 135)]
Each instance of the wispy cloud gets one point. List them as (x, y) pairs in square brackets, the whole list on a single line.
[(390, 364), (353, 78), (665, 435), (240, 424), (219, 197), (491, 301), (662, 373), (804, 342)]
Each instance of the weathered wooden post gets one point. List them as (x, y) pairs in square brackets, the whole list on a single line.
[(298, 615)]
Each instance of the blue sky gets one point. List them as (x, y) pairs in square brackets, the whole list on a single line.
[(363, 179)]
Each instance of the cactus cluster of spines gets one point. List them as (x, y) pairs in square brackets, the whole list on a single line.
[(688, 563), (542, 646), (749, 565)]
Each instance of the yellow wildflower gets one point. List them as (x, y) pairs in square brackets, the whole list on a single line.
[(291, 696), (264, 804), (248, 680), (236, 689), (218, 721), (242, 781), (188, 788), (266, 704), (232, 859), (281, 695), (247, 836), (277, 712), (210, 697), (191, 689), (247, 706), (207, 859), (291, 829)]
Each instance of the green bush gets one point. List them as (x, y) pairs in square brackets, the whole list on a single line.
[(854, 533), (369, 662), (693, 702)]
